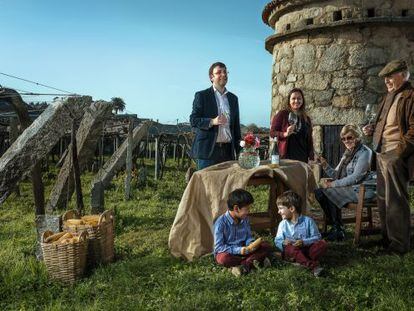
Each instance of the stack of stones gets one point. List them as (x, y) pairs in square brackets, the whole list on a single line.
[(333, 50)]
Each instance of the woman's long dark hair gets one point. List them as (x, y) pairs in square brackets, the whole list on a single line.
[(302, 108)]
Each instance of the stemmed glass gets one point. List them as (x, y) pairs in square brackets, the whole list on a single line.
[(370, 113), (226, 114), (293, 119)]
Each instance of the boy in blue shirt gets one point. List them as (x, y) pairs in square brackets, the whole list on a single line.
[(234, 246), (298, 236)]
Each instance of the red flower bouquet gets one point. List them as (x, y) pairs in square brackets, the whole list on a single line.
[(249, 157), (250, 141)]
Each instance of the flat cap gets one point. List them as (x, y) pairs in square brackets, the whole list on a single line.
[(392, 67)]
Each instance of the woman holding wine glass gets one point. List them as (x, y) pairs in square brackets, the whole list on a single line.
[(293, 129)]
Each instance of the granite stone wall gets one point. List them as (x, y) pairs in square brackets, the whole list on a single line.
[(334, 50), (338, 71)]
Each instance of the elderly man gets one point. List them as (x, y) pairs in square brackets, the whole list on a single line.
[(215, 118), (393, 140)]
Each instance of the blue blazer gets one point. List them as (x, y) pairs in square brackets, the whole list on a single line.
[(205, 109)]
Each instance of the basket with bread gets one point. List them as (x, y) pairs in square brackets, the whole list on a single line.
[(65, 254), (100, 229)]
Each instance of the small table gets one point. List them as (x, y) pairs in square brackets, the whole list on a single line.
[(270, 218)]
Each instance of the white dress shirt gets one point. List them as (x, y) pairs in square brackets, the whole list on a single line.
[(223, 107)]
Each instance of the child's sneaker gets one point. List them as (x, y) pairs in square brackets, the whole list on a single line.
[(267, 263), (238, 271), (317, 271)]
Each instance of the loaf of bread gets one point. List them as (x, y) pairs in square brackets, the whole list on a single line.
[(65, 238), (91, 220), (255, 245), (76, 222), (54, 237)]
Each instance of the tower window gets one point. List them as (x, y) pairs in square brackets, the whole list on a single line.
[(337, 16), (287, 26), (371, 12), (309, 21), (404, 13)]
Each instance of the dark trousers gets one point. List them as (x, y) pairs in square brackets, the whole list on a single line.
[(230, 260), (332, 212), (307, 256), (221, 153), (393, 200)]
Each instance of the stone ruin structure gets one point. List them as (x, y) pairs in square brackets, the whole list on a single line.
[(333, 50)]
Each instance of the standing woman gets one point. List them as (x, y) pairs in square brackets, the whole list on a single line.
[(293, 129)]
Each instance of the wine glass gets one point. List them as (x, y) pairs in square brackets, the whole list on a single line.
[(370, 113), (293, 119), (226, 114)]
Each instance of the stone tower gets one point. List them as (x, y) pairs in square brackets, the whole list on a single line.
[(333, 50)]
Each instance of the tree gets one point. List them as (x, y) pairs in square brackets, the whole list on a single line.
[(38, 105), (252, 128), (118, 104)]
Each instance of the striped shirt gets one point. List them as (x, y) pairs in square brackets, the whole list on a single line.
[(305, 229), (229, 236)]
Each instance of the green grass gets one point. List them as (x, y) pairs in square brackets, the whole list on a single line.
[(146, 276)]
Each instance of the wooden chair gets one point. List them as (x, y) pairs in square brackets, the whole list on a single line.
[(358, 218)]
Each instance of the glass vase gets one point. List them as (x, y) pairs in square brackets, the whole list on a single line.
[(249, 158)]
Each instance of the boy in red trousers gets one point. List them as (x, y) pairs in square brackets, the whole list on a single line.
[(234, 246), (298, 236)]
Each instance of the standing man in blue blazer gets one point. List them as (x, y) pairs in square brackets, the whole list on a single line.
[(215, 119)]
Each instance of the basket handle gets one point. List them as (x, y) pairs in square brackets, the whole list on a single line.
[(106, 216), (83, 236), (71, 214)]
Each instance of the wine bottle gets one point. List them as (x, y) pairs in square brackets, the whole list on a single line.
[(274, 156)]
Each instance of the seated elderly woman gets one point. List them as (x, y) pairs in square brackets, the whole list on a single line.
[(343, 186)]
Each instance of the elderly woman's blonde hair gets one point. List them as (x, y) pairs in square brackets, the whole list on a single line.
[(353, 129)]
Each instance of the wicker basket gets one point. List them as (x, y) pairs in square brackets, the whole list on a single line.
[(101, 236), (65, 262)]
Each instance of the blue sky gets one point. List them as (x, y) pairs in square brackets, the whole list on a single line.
[(153, 54)]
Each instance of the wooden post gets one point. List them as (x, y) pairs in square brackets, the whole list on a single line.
[(156, 158), (147, 148), (60, 147), (98, 198), (13, 134), (2, 144), (174, 150), (164, 154), (38, 189), (76, 171), (183, 153), (128, 169), (101, 148), (150, 150)]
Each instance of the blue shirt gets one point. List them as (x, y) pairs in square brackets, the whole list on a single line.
[(230, 236), (305, 229)]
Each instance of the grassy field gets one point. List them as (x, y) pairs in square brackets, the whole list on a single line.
[(146, 277)]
